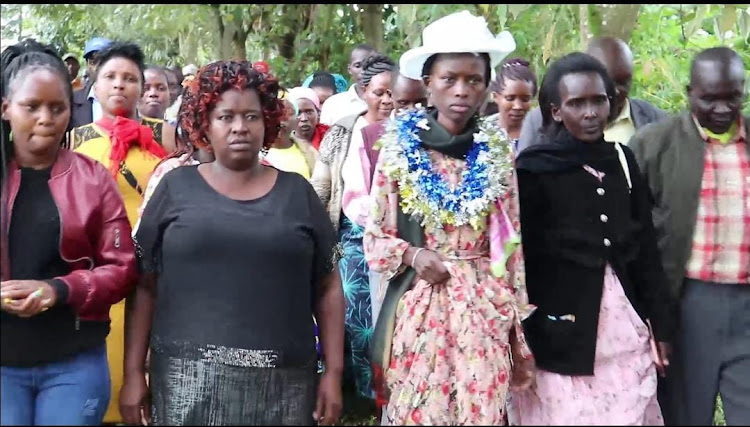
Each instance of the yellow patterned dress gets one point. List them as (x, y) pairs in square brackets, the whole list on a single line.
[(93, 141)]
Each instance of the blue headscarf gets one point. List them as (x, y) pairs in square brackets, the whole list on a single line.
[(341, 84)]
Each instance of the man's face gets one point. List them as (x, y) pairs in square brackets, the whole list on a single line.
[(355, 64), (174, 86), (716, 94), (91, 61), (407, 93), (73, 67), (619, 64)]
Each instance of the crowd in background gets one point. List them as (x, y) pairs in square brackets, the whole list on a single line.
[(210, 245)]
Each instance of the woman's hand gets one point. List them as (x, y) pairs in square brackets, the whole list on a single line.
[(430, 265), (26, 298), (523, 375), (665, 351), (523, 372), (328, 407), (135, 400)]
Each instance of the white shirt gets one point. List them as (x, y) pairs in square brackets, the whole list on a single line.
[(96, 107), (171, 114), (342, 105), (355, 199)]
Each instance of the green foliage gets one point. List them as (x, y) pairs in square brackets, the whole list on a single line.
[(663, 54), (297, 40)]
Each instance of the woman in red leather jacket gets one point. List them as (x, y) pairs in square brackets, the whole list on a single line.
[(66, 249)]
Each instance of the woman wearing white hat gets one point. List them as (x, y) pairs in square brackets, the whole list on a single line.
[(444, 233)]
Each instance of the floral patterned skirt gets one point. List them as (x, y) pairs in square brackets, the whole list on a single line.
[(623, 388), (450, 362)]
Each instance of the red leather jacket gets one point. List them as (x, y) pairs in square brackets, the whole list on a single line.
[(95, 236)]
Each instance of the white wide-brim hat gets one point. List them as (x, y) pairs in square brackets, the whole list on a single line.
[(460, 32)]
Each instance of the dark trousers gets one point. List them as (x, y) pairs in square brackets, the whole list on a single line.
[(713, 352), (666, 393)]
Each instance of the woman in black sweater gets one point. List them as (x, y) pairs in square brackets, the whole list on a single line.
[(593, 267)]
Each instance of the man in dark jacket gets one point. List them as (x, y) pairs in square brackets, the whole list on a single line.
[(696, 165), (631, 114), (86, 107)]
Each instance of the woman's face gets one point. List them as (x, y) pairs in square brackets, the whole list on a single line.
[(378, 96), (236, 129), (38, 110), (584, 106), (119, 86), (289, 122), (155, 99), (514, 101), (457, 87), (307, 119), (323, 93)]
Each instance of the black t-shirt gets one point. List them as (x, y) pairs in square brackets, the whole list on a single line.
[(34, 250), (237, 280)]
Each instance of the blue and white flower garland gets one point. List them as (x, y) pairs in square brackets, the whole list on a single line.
[(425, 194)]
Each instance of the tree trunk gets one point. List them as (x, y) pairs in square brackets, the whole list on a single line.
[(286, 46), (372, 25), (583, 16), (20, 23), (238, 45), (220, 27), (619, 20)]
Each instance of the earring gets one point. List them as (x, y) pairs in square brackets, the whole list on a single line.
[(264, 151)]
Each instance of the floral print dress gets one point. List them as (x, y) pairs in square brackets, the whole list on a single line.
[(450, 356)]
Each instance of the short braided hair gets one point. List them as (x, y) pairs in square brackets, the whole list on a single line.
[(514, 69), (374, 65)]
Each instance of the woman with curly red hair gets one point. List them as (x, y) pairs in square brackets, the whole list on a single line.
[(228, 323)]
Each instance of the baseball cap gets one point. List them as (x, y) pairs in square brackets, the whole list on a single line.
[(69, 56), (95, 44), (190, 69)]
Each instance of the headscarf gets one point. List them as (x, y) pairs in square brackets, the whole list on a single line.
[(342, 85), (565, 152), (261, 67), (299, 92)]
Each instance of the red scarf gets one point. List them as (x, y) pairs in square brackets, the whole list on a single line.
[(317, 138), (125, 133)]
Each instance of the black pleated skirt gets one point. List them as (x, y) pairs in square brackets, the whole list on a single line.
[(198, 392)]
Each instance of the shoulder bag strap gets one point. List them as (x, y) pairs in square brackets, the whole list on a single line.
[(624, 164), (130, 178)]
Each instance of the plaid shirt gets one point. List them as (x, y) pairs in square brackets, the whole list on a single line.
[(721, 243)]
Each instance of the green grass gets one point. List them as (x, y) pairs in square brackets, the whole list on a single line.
[(719, 414)]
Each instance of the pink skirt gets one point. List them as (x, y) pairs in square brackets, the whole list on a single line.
[(623, 388)]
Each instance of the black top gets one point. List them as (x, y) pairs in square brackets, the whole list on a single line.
[(235, 277), (34, 246), (572, 227)]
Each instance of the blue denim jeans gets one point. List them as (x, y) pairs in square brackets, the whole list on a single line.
[(74, 391)]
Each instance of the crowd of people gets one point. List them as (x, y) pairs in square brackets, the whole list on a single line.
[(212, 246)]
